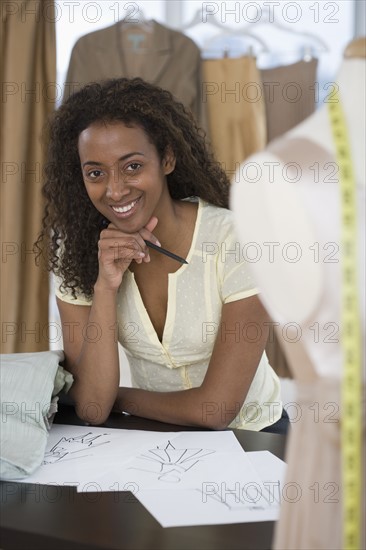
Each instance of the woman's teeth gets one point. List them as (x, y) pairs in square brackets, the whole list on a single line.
[(123, 209)]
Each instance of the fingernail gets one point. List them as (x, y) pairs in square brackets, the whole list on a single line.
[(157, 242), (141, 254)]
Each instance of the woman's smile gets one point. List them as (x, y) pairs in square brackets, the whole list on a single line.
[(123, 174), (127, 209)]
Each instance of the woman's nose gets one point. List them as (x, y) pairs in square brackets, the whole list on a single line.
[(116, 187)]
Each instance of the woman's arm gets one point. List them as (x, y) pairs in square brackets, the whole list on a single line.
[(89, 333), (232, 367), (91, 351)]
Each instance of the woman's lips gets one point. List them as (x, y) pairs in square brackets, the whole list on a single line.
[(126, 210)]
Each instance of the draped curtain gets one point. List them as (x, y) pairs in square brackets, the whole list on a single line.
[(28, 75)]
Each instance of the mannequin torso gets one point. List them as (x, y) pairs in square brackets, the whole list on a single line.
[(287, 201), (295, 205)]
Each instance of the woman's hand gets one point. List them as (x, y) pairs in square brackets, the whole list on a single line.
[(116, 250)]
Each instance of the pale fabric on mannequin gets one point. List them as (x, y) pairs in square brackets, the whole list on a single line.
[(289, 193)]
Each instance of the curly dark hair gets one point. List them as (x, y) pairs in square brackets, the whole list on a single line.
[(70, 221)]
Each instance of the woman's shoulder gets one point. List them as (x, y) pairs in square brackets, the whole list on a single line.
[(216, 218)]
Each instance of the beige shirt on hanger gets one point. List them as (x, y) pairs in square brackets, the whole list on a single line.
[(152, 51)]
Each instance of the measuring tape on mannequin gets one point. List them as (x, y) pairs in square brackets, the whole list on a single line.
[(351, 391)]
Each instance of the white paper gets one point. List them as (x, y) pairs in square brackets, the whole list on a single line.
[(77, 455), (180, 461), (189, 507), (182, 478), (238, 493), (269, 467)]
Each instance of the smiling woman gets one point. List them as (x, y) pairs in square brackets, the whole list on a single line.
[(127, 164), (126, 178)]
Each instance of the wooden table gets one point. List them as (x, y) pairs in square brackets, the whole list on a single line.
[(41, 517)]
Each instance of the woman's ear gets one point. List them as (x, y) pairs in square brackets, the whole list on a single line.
[(168, 161)]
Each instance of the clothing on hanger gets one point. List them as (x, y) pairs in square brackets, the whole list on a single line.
[(235, 109), (157, 54), (289, 95)]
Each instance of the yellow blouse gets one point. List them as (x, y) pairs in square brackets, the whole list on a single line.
[(216, 274)]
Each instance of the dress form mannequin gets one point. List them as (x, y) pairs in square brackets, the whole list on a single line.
[(286, 201)]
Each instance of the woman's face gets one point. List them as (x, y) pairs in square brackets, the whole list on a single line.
[(123, 174)]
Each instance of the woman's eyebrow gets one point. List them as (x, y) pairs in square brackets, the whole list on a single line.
[(124, 157)]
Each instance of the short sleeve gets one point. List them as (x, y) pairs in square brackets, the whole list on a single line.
[(66, 295), (235, 277)]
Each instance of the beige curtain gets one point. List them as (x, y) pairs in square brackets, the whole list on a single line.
[(28, 74)]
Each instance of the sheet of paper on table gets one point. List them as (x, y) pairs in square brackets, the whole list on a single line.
[(241, 489), (76, 455), (182, 478)]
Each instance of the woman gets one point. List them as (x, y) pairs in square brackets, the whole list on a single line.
[(127, 164)]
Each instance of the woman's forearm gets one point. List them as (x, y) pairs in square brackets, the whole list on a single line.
[(96, 371), (193, 407)]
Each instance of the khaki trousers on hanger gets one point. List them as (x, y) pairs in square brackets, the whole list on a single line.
[(236, 111)]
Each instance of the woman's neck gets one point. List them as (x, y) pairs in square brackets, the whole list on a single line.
[(176, 227)]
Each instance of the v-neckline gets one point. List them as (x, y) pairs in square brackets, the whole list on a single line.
[(171, 304)]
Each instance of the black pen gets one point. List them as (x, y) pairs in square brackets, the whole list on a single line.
[(166, 252), (106, 222)]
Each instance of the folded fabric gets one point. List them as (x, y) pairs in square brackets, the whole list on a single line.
[(30, 383)]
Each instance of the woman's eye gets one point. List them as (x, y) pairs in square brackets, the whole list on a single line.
[(133, 167), (94, 174)]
